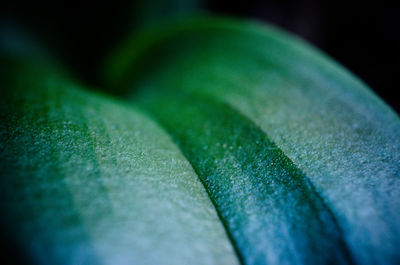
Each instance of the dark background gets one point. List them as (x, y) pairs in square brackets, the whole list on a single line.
[(364, 36)]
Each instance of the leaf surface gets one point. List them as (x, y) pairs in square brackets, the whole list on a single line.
[(88, 180), (324, 175)]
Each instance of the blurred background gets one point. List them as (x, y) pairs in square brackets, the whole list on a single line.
[(363, 37)]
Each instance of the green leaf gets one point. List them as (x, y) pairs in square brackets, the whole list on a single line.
[(88, 180), (300, 158)]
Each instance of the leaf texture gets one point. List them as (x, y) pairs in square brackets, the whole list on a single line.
[(88, 180), (300, 158)]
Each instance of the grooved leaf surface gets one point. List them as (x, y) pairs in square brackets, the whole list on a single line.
[(331, 126), (269, 207), (86, 180)]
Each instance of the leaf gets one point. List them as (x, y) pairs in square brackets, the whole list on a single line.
[(300, 158), (88, 180)]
